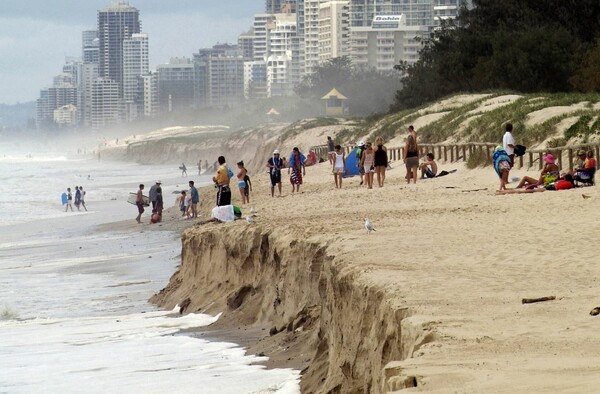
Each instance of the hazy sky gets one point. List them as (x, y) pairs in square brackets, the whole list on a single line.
[(36, 35)]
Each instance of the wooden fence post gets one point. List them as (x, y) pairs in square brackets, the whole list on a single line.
[(540, 161), (560, 160)]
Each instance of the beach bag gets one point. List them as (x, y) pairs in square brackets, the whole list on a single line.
[(229, 172), (520, 150), (223, 213)]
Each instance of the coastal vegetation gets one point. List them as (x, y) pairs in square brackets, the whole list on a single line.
[(528, 46)]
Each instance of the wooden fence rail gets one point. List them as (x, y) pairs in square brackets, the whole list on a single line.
[(450, 153)]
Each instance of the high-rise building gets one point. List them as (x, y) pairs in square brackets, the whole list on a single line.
[(280, 6), (90, 46), (176, 82), (88, 72), (263, 24), (311, 35), (283, 67), (386, 43), (106, 103), (416, 12), (202, 64), (62, 93), (246, 43), (136, 62), (226, 80), (116, 23), (148, 94), (334, 30)]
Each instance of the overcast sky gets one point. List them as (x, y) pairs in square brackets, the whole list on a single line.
[(36, 35)]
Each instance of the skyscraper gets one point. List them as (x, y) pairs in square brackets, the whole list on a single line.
[(89, 43), (135, 63), (116, 23)]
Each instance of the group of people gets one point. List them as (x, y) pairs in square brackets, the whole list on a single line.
[(79, 199), (550, 178), (296, 168), (374, 160)]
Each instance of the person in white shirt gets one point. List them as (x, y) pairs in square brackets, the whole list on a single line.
[(508, 143)]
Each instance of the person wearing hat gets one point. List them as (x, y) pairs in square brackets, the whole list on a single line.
[(550, 173), (153, 194), (275, 164)]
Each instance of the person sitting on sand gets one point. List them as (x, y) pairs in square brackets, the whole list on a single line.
[(586, 173), (550, 173), (565, 183), (429, 168)]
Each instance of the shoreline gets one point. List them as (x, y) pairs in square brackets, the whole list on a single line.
[(452, 293)]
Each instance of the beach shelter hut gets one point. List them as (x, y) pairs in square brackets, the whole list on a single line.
[(352, 163), (334, 103)]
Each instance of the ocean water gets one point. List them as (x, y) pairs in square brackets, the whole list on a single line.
[(74, 316)]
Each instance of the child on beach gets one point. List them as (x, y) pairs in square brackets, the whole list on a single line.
[(241, 181), (69, 200), (339, 166), (77, 198), (139, 202), (180, 202)]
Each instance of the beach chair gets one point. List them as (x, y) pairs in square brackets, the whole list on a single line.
[(587, 180)]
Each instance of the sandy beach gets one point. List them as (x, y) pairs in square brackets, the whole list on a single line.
[(457, 258)]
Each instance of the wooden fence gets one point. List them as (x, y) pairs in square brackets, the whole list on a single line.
[(450, 153)]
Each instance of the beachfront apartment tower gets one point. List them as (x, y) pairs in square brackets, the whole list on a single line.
[(226, 79), (148, 94), (311, 44), (334, 30), (116, 23), (386, 42), (106, 103), (416, 12), (176, 81), (280, 6), (246, 43), (90, 46), (283, 66), (62, 93), (135, 63), (88, 72)]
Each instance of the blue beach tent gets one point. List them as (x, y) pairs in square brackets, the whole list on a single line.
[(352, 163)]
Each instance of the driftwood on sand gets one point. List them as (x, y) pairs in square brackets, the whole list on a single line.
[(541, 299)]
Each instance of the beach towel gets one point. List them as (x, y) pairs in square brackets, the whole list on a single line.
[(500, 156)]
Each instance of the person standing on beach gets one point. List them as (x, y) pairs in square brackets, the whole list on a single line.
[(221, 178), (380, 161), (411, 158), (367, 163), (330, 149), (139, 202), (152, 194), (359, 151), (339, 166), (275, 164), (508, 144), (199, 166), (77, 198), (69, 200), (195, 197), (157, 212), (82, 197), (241, 176), (183, 169), (297, 169)]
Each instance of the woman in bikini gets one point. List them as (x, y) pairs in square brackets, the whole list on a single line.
[(380, 161), (242, 182), (367, 162)]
